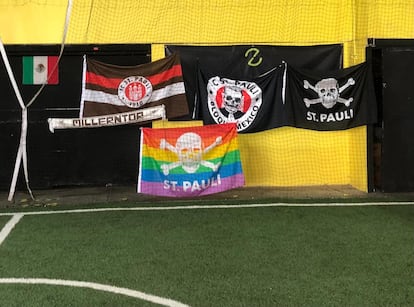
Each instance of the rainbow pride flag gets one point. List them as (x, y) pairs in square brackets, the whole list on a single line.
[(190, 161)]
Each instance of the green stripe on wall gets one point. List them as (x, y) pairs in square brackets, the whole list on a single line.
[(27, 70)]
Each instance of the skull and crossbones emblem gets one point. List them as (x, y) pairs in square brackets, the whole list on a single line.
[(329, 92), (232, 101), (189, 150)]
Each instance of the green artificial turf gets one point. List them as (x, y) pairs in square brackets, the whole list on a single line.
[(278, 256)]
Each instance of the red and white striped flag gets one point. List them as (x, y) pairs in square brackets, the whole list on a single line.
[(110, 89)]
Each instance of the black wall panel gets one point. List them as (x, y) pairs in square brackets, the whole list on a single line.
[(398, 125), (394, 64), (92, 156)]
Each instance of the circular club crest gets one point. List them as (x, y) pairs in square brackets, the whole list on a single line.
[(233, 101), (135, 91)]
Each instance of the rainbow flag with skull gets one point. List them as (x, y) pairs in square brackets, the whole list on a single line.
[(190, 161)]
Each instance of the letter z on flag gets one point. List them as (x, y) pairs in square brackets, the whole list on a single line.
[(109, 89), (189, 161)]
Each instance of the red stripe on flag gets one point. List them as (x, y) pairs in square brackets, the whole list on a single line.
[(113, 83), (174, 71), (103, 81), (53, 70)]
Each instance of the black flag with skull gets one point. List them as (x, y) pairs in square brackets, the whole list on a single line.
[(254, 104), (334, 100)]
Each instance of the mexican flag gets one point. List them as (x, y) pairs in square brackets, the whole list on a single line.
[(40, 69)]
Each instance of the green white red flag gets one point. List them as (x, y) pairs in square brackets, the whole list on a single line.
[(40, 70)]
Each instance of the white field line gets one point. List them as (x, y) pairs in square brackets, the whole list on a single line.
[(95, 286), (133, 293), (9, 226), (208, 207), (58, 282)]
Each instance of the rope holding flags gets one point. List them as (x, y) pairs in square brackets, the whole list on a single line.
[(22, 151)]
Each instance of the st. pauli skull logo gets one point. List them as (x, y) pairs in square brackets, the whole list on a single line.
[(233, 101), (189, 149), (329, 92)]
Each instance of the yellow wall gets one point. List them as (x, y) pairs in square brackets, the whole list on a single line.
[(279, 157)]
